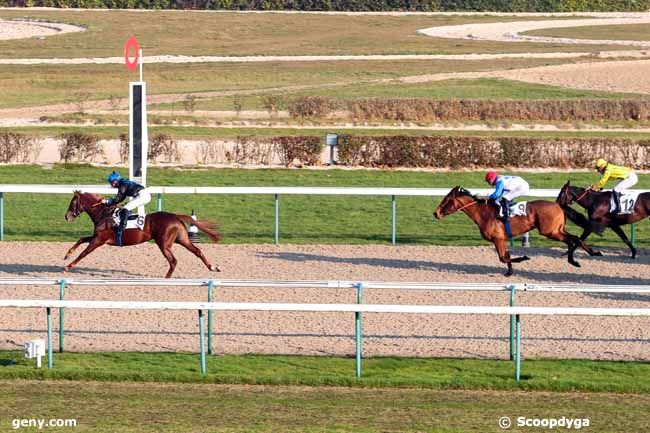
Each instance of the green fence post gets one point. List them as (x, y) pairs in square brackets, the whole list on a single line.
[(394, 219), (159, 202), (518, 361), (357, 319), (62, 285), (49, 337), (512, 288), (202, 343), (2, 216), (210, 286), (277, 219)]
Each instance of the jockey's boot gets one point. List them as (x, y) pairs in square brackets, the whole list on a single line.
[(617, 202), (505, 209), (124, 217)]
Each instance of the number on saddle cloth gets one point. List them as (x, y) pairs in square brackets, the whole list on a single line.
[(628, 200), (517, 209)]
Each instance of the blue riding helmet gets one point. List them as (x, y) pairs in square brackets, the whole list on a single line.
[(113, 177)]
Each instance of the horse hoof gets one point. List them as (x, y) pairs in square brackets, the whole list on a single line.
[(508, 274), (598, 254), (576, 264), (66, 268), (524, 258), (215, 268), (66, 257)]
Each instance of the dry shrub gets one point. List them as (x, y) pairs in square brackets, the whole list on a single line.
[(165, 146), (312, 106), (18, 148), (274, 103), (473, 152), (210, 152), (251, 150), (306, 149), (420, 109), (78, 147), (124, 148)]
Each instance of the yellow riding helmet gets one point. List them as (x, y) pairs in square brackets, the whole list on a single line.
[(601, 163)]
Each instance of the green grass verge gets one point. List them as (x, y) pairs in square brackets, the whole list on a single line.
[(435, 373), (237, 34), (35, 85), (303, 219), (101, 407), (483, 88), (622, 32)]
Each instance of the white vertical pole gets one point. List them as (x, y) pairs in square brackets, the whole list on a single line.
[(140, 62)]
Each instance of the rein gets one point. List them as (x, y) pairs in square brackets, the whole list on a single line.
[(586, 191), (467, 205)]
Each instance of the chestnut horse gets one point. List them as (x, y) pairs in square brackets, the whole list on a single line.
[(597, 205), (547, 217), (163, 227)]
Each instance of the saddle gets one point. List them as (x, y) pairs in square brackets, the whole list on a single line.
[(135, 221)]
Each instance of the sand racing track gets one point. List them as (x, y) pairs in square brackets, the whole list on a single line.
[(332, 333)]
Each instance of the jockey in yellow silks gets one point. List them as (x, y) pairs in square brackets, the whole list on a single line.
[(610, 171)]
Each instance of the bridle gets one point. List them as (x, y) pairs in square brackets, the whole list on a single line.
[(580, 197), (472, 203)]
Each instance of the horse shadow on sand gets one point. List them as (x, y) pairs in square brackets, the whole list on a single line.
[(9, 270), (470, 269)]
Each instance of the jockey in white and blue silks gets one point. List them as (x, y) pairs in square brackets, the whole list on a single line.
[(126, 188), (506, 189)]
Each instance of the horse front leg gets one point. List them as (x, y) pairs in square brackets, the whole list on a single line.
[(92, 246), (83, 240), (621, 234), (504, 255)]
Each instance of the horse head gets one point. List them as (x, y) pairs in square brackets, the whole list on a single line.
[(453, 201), (80, 203), (568, 194)]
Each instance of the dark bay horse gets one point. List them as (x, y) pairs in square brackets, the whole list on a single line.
[(163, 227), (597, 205), (546, 216)]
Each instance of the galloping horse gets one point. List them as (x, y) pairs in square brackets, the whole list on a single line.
[(163, 227), (546, 216), (597, 205)]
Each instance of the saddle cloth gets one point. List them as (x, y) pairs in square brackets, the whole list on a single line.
[(517, 209), (135, 221), (628, 200)]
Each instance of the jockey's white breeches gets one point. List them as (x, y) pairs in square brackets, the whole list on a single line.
[(515, 189), (140, 199), (626, 183)]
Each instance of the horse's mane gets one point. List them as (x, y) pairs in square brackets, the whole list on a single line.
[(467, 193)]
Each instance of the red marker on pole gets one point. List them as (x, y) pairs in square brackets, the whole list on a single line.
[(131, 43)]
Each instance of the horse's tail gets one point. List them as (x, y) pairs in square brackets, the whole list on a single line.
[(582, 221), (207, 227)]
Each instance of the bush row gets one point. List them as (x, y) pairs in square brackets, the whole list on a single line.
[(300, 5), (351, 5), (356, 150), (424, 109), (475, 152)]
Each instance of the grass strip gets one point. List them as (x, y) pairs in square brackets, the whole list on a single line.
[(382, 372), (303, 219)]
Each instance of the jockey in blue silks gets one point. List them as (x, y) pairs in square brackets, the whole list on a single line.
[(126, 188)]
